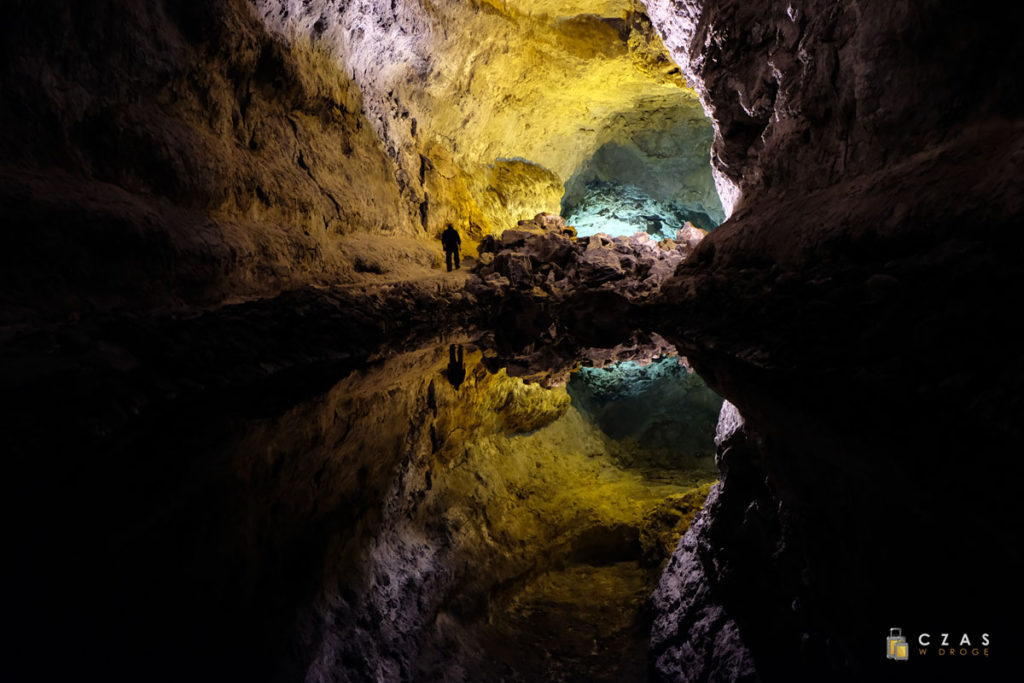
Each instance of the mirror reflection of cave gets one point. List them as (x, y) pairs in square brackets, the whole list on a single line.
[(546, 523), (509, 340)]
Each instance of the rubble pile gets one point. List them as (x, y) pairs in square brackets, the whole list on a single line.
[(543, 256)]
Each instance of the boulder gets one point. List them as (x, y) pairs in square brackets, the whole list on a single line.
[(689, 236), (549, 248), (600, 263), (516, 237), (516, 267), (488, 244), (543, 257), (550, 221)]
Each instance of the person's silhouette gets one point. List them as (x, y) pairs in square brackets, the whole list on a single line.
[(452, 242), (456, 369)]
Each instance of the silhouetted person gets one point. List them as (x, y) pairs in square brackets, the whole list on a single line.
[(451, 242), (456, 369)]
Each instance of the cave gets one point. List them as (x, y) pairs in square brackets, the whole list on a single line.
[(725, 387)]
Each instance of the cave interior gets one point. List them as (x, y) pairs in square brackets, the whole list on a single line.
[(728, 386)]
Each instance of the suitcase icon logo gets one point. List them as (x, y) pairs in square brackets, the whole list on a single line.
[(896, 646)]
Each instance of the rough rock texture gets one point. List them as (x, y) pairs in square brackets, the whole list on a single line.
[(544, 258), (475, 571), (854, 309), (177, 155), (694, 638), (464, 86), (185, 497), (665, 155), (621, 210), (168, 152), (642, 403), (807, 95)]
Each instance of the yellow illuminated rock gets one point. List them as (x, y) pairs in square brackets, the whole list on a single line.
[(458, 91), (466, 519)]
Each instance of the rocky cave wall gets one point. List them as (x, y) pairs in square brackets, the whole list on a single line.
[(174, 154), (853, 310), (509, 514), (653, 177), (465, 93)]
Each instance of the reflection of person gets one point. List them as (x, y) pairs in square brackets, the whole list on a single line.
[(451, 242), (456, 369)]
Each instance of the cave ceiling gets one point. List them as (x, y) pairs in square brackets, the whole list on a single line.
[(470, 85)]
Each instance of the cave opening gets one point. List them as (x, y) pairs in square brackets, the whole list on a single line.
[(661, 405), (653, 176)]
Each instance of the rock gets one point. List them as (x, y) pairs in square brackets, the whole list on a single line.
[(729, 423), (488, 244), (599, 263), (550, 221), (559, 263), (622, 209), (515, 266), (689, 237), (553, 248), (510, 239), (497, 280), (662, 269), (836, 177)]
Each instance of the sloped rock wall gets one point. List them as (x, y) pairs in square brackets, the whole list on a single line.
[(874, 147), (807, 94), (172, 154), (169, 152), (663, 153)]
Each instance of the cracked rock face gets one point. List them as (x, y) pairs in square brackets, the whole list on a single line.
[(623, 210)]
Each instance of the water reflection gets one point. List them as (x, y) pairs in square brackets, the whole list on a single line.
[(456, 372), (662, 407), (396, 526), (518, 538)]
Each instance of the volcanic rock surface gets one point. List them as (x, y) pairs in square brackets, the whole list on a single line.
[(620, 210), (171, 153), (876, 208), (661, 155), (240, 448), (456, 90), (545, 258)]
